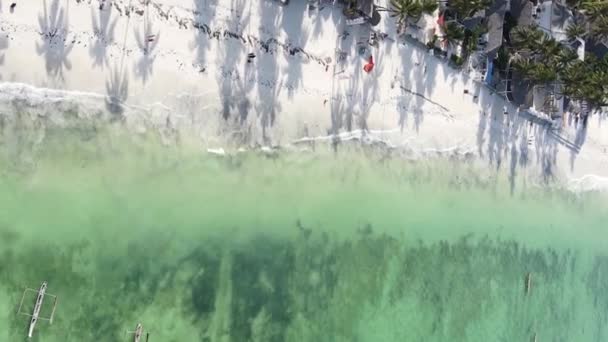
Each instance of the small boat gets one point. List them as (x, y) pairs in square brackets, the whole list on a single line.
[(35, 315), (138, 333)]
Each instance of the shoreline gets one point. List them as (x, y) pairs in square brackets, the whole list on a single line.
[(280, 99), (42, 139), (79, 110)]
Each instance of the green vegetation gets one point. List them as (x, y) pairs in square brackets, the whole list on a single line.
[(544, 61), (576, 30), (539, 58), (595, 14), (587, 81), (404, 9), (472, 37), (457, 60), (454, 34), (463, 9)]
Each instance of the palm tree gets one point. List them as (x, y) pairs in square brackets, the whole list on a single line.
[(574, 73), (404, 9), (602, 64), (473, 37), (522, 65), (594, 89), (526, 38), (599, 28), (565, 58), (587, 81), (592, 8), (453, 33), (595, 13), (429, 6), (576, 30), (573, 78), (542, 74), (549, 48), (502, 61), (466, 8)]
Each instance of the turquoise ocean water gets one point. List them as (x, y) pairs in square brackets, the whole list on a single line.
[(293, 246)]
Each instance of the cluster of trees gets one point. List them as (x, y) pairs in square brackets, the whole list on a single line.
[(410, 9), (456, 9), (538, 57), (455, 12), (463, 9), (544, 61), (591, 19)]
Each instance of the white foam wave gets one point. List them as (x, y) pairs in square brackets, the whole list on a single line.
[(60, 107), (588, 183)]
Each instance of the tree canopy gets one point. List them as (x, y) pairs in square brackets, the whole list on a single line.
[(467, 8), (542, 61), (403, 9)]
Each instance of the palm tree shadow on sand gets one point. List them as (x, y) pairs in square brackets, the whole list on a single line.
[(53, 32), (103, 29), (3, 46), (117, 90), (269, 81), (204, 10), (147, 41)]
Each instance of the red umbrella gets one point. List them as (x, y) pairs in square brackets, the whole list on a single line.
[(370, 65)]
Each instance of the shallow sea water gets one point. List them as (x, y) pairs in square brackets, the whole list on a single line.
[(292, 246)]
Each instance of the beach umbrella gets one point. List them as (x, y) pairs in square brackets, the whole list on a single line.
[(370, 65)]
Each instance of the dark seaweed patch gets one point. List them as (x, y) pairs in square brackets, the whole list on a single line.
[(260, 279), (205, 282)]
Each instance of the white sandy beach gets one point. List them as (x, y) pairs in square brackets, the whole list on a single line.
[(182, 65)]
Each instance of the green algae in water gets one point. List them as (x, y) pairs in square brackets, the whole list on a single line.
[(295, 247)]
